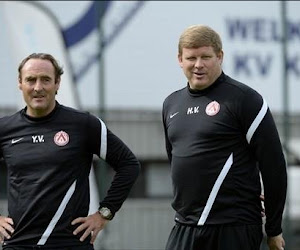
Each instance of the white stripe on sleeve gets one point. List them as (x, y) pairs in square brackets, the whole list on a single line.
[(103, 146), (261, 114)]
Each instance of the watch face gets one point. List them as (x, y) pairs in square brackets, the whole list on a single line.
[(105, 213)]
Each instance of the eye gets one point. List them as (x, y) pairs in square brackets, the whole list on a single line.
[(46, 79), (191, 58), (30, 80), (206, 57)]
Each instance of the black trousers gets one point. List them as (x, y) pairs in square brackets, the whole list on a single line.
[(215, 237), (85, 247)]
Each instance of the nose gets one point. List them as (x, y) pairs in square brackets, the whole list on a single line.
[(198, 63), (38, 86)]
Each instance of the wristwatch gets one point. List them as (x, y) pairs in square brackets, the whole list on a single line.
[(105, 213)]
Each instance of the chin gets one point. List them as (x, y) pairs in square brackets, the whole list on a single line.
[(199, 86), (38, 107)]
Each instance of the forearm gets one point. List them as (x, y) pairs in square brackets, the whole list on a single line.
[(121, 185)]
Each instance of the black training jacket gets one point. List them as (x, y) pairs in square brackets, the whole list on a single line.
[(219, 140), (49, 161)]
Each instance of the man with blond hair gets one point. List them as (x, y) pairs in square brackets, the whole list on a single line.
[(220, 138)]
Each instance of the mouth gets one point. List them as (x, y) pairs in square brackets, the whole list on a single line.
[(199, 74), (40, 97)]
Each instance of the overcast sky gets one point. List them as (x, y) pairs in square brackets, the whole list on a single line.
[(141, 66)]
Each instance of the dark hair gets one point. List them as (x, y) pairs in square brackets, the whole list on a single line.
[(58, 70)]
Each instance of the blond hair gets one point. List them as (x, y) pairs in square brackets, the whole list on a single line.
[(196, 36)]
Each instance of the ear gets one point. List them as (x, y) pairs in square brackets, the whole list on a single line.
[(57, 84), (220, 56), (20, 84), (180, 60)]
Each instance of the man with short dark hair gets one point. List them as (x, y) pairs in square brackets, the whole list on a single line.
[(48, 150)]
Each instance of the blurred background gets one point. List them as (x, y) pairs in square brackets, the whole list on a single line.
[(120, 62)]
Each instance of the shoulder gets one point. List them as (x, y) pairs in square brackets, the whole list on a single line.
[(10, 119), (7, 121), (174, 95), (78, 116), (243, 100), (72, 111), (238, 87), (69, 112)]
